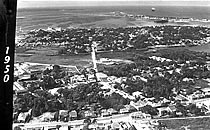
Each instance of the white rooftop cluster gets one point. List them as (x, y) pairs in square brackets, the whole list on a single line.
[(159, 58)]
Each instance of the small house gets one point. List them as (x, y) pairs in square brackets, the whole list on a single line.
[(89, 113), (112, 111), (206, 91), (105, 113), (73, 115), (124, 110), (63, 115)]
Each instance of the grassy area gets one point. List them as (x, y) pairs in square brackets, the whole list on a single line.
[(201, 48), (44, 55), (21, 50), (120, 54), (193, 124), (202, 83)]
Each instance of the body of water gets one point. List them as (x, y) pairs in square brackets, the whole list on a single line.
[(198, 12)]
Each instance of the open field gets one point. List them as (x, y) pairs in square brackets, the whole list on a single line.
[(191, 124), (48, 56), (200, 48), (203, 48)]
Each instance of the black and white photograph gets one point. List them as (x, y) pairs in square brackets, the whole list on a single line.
[(107, 64)]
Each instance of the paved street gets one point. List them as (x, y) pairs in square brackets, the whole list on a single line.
[(104, 120)]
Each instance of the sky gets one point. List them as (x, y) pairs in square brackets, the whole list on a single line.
[(57, 3)]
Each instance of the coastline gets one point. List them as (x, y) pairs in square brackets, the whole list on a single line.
[(158, 55), (104, 17)]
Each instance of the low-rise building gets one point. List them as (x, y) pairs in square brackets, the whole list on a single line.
[(206, 91), (124, 110), (105, 113), (162, 111), (112, 111), (73, 115), (89, 113)]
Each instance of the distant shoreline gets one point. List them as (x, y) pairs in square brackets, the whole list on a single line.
[(102, 16)]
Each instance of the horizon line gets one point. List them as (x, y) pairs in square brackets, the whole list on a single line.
[(56, 3)]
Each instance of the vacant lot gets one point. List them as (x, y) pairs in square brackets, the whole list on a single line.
[(49, 55), (191, 124)]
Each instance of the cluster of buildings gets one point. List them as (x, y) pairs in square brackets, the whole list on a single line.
[(199, 96), (137, 122), (81, 40), (78, 41), (155, 18)]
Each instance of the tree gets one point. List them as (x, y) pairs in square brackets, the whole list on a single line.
[(62, 51), (195, 110), (48, 82), (46, 71), (56, 68), (149, 110), (181, 108)]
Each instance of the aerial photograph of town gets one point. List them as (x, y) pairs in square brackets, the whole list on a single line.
[(112, 65)]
